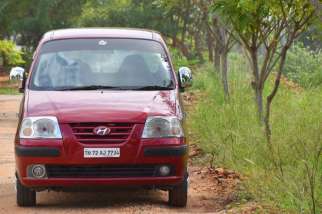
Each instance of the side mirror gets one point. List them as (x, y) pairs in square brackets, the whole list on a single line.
[(23, 82), (185, 77)]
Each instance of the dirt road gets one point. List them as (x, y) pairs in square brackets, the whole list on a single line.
[(205, 193)]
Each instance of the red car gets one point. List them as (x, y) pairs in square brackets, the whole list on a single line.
[(102, 108)]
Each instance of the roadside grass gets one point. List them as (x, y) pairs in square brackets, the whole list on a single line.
[(8, 87), (290, 177), (9, 91)]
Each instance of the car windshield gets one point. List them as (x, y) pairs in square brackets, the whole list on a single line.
[(90, 64)]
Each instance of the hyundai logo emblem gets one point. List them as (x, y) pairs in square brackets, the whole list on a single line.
[(102, 42), (101, 130)]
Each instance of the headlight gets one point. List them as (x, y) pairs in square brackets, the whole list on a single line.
[(40, 127), (162, 127)]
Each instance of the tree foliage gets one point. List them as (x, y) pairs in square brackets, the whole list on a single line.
[(266, 28), (30, 19), (9, 54), (180, 21)]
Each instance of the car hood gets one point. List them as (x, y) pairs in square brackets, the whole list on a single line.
[(101, 106)]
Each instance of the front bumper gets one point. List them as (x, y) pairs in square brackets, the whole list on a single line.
[(172, 151), (108, 182)]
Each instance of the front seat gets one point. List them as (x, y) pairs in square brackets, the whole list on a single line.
[(134, 72)]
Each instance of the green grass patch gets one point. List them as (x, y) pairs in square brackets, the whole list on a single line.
[(9, 91), (288, 178)]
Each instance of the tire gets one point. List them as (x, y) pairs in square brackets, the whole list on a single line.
[(25, 197), (178, 195)]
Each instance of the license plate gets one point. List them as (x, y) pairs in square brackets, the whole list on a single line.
[(102, 152)]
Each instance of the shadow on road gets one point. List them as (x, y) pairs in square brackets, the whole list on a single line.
[(114, 198)]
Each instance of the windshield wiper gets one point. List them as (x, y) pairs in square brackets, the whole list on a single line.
[(90, 87), (101, 87), (153, 87)]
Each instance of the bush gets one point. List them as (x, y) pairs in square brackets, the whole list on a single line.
[(9, 55), (179, 60), (231, 132), (304, 66)]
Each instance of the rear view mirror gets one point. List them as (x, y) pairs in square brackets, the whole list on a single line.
[(185, 77)]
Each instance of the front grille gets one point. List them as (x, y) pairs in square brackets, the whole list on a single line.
[(100, 171), (84, 132)]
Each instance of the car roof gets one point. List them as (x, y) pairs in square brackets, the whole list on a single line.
[(101, 33)]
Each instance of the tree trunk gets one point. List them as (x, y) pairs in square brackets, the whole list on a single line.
[(198, 46), (184, 30), (174, 41), (217, 57), (210, 47), (256, 84), (224, 75), (182, 47), (270, 97), (266, 120), (259, 103)]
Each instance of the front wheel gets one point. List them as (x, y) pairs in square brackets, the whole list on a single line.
[(25, 197), (178, 195)]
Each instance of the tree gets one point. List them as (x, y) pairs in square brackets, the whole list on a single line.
[(313, 35), (9, 54), (220, 40), (271, 26), (30, 19), (224, 40), (8, 15), (180, 21)]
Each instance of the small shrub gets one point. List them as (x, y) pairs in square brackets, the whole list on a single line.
[(304, 66), (179, 60), (9, 54)]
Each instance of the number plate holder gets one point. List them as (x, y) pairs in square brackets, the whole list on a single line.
[(102, 152)]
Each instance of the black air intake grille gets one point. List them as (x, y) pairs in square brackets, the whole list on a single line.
[(100, 171)]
